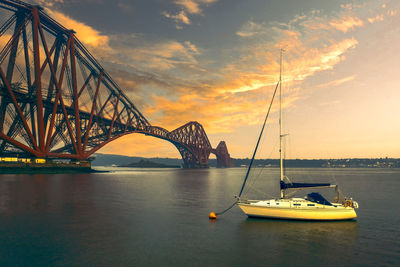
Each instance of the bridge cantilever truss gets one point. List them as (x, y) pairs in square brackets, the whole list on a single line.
[(56, 100), (191, 141)]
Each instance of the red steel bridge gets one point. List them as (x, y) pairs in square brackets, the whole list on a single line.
[(57, 101)]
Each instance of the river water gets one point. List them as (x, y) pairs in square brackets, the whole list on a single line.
[(159, 217)]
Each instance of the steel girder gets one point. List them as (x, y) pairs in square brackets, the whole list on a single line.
[(56, 100), (191, 141)]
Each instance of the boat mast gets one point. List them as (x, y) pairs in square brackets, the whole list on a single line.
[(280, 122)]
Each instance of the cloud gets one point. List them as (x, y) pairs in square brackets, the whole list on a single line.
[(392, 12), (239, 94), (85, 33), (250, 29), (177, 81), (218, 114), (207, 110), (162, 55), (304, 57), (187, 7), (337, 82), (314, 20), (346, 23), (179, 18), (309, 39), (377, 18), (49, 3), (173, 82), (193, 6)]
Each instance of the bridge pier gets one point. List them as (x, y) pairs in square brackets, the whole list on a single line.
[(223, 157)]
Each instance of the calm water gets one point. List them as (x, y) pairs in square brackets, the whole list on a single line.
[(160, 218)]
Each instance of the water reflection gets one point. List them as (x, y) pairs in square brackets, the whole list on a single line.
[(42, 193), (294, 240), (160, 217), (304, 229), (190, 183)]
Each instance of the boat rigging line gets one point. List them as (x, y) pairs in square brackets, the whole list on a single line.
[(258, 141), (213, 215)]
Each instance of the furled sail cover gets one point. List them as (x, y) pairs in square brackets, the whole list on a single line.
[(317, 198), (302, 185)]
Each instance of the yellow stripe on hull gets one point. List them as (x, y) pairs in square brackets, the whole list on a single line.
[(322, 213)]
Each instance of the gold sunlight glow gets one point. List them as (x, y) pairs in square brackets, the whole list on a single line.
[(346, 24), (233, 97), (85, 33)]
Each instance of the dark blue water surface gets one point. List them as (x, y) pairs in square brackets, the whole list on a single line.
[(159, 217)]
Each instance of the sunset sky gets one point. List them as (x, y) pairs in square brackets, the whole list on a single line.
[(217, 62)]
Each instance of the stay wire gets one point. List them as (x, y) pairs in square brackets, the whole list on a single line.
[(258, 142)]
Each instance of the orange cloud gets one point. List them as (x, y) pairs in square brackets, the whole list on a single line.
[(240, 96), (375, 19), (193, 6), (301, 62), (221, 114), (179, 18), (85, 33), (392, 12), (346, 23), (48, 3), (218, 115), (187, 7)]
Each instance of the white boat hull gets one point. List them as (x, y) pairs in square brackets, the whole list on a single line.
[(303, 211)]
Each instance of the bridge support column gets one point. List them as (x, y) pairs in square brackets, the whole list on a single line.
[(223, 157)]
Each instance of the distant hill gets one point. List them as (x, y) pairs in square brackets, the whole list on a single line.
[(119, 160), (149, 164)]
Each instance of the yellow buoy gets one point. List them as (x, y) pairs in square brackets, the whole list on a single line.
[(212, 216)]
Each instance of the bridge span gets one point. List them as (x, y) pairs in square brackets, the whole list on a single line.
[(57, 101)]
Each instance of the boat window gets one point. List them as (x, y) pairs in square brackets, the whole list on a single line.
[(310, 204), (296, 204), (277, 203)]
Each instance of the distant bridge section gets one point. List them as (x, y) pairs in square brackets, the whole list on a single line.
[(192, 142), (56, 100)]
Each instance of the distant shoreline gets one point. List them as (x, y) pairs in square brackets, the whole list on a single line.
[(119, 160)]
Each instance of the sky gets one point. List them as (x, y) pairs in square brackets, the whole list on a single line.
[(217, 62)]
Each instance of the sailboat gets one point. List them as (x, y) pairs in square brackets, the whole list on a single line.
[(312, 207)]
